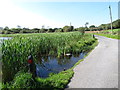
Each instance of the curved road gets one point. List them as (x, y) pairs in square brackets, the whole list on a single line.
[(100, 68)]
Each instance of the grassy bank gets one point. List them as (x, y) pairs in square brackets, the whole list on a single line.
[(16, 51), (107, 33)]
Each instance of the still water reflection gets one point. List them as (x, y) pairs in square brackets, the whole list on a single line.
[(55, 65)]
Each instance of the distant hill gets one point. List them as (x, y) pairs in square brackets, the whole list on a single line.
[(116, 24)]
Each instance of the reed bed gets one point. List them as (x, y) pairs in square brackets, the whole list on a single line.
[(16, 51)]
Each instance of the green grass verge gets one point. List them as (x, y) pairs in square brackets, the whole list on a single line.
[(107, 33), (109, 36)]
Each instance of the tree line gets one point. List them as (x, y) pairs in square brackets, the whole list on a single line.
[(7, 30)]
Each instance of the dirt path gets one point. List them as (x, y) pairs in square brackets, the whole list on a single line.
[(100, 68)]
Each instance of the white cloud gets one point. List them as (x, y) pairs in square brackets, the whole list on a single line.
[(11, 16)]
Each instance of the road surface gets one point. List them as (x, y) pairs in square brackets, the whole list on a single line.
[(100, 68)]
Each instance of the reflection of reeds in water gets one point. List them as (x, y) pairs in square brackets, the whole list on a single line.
[(59, 64), (76, 54), (62, 60)]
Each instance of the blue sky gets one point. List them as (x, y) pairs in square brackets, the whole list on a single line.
[(56, 14)]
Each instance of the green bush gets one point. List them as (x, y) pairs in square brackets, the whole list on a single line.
[(56, 81), (23, 80)]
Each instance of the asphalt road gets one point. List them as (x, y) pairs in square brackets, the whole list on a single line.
[(100, 68)]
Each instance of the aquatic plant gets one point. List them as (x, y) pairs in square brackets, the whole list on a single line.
[(16, 51)]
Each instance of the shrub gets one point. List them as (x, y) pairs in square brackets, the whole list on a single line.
[(56, 81), (23, 80)]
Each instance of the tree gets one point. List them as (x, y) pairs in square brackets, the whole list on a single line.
[(18, 26), (116, 24), (102, 26), (86, 28), (82, 30), (6, 32), (71, 28), (35, 30), (6, 28), (42, 30), (68, 28), (59, 30), (92, 26), (26, 28), (86, 24)]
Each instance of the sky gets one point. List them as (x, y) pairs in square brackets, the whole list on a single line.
[(54, 14)]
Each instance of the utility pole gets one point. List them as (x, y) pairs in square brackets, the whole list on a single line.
[(70, 23), (111, 19)]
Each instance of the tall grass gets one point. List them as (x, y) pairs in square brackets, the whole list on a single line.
[(16, 51)]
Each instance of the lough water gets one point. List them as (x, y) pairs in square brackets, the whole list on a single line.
[(56, 65), (5, 38)]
